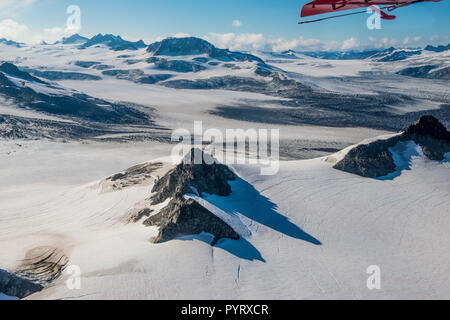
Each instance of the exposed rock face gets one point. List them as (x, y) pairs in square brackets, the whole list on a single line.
[(74, 39), (438, 48), (57, 75), (70, 104), (136, 175), (417, 72), (371, 160), (43, 265), (137, 75), (187, 217), (398, 55), (115, 43), (183, 217), (40, 267), (428, 71), (196, 46), (14, 286), (375, 160), (12, 70), (10, 43), (178, 66), (431, 135), (188, 177)]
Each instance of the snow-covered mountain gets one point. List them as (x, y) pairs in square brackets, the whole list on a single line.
[(305, 90), (10, 43), (309, 232), (85, 145), (74, 39), (115, 43), (382, 55), (439, 48)]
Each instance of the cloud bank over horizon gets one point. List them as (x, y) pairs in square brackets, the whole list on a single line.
[(15, 31), (12, 28)]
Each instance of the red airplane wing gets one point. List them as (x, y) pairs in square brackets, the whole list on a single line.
[(328, 6)]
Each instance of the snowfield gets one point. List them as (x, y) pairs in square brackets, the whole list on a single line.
[(309, 232)]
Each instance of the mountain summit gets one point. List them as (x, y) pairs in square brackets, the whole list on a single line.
[(195, 46), (74, 39), (375, 159), (116, 43), (184, 216)]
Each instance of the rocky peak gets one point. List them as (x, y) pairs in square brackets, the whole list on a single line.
[(428, 126), (196, 46), (181, 46), (74, 39), (183, 216), (116, 43), (188, 177), (187, 217), (375, 159), (12, 70)]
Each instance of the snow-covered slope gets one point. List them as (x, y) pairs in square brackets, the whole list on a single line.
[(308, 232)]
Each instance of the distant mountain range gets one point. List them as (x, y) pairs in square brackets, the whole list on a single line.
[(196, 46), (74, 39), (382, 55), (116, 43), (438, 48), (10, 43)]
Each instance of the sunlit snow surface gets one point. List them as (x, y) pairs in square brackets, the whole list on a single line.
[(308, 232)]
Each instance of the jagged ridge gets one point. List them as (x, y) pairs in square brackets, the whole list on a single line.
[(182, 216), (375, 160)]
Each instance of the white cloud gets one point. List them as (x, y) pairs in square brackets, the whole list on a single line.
[(243, 41), (12, 30), (237, 23), (350, 44), (257, 41)]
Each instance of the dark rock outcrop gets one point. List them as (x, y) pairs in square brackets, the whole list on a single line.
[(176, 65), (134, 176), (85, 64), (399, 55), (14, 286), (189, 177), (427, 72), (137, 76), (58, 75), (115, 43), (10, 43), (69, 105), (431, 135), (187, 217), (12, 70), (196, 46), (375, 159), (74, 39), (439, 48), (182, 217), (43, 265)]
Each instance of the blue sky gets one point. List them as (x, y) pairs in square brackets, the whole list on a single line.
[(262, 23)]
